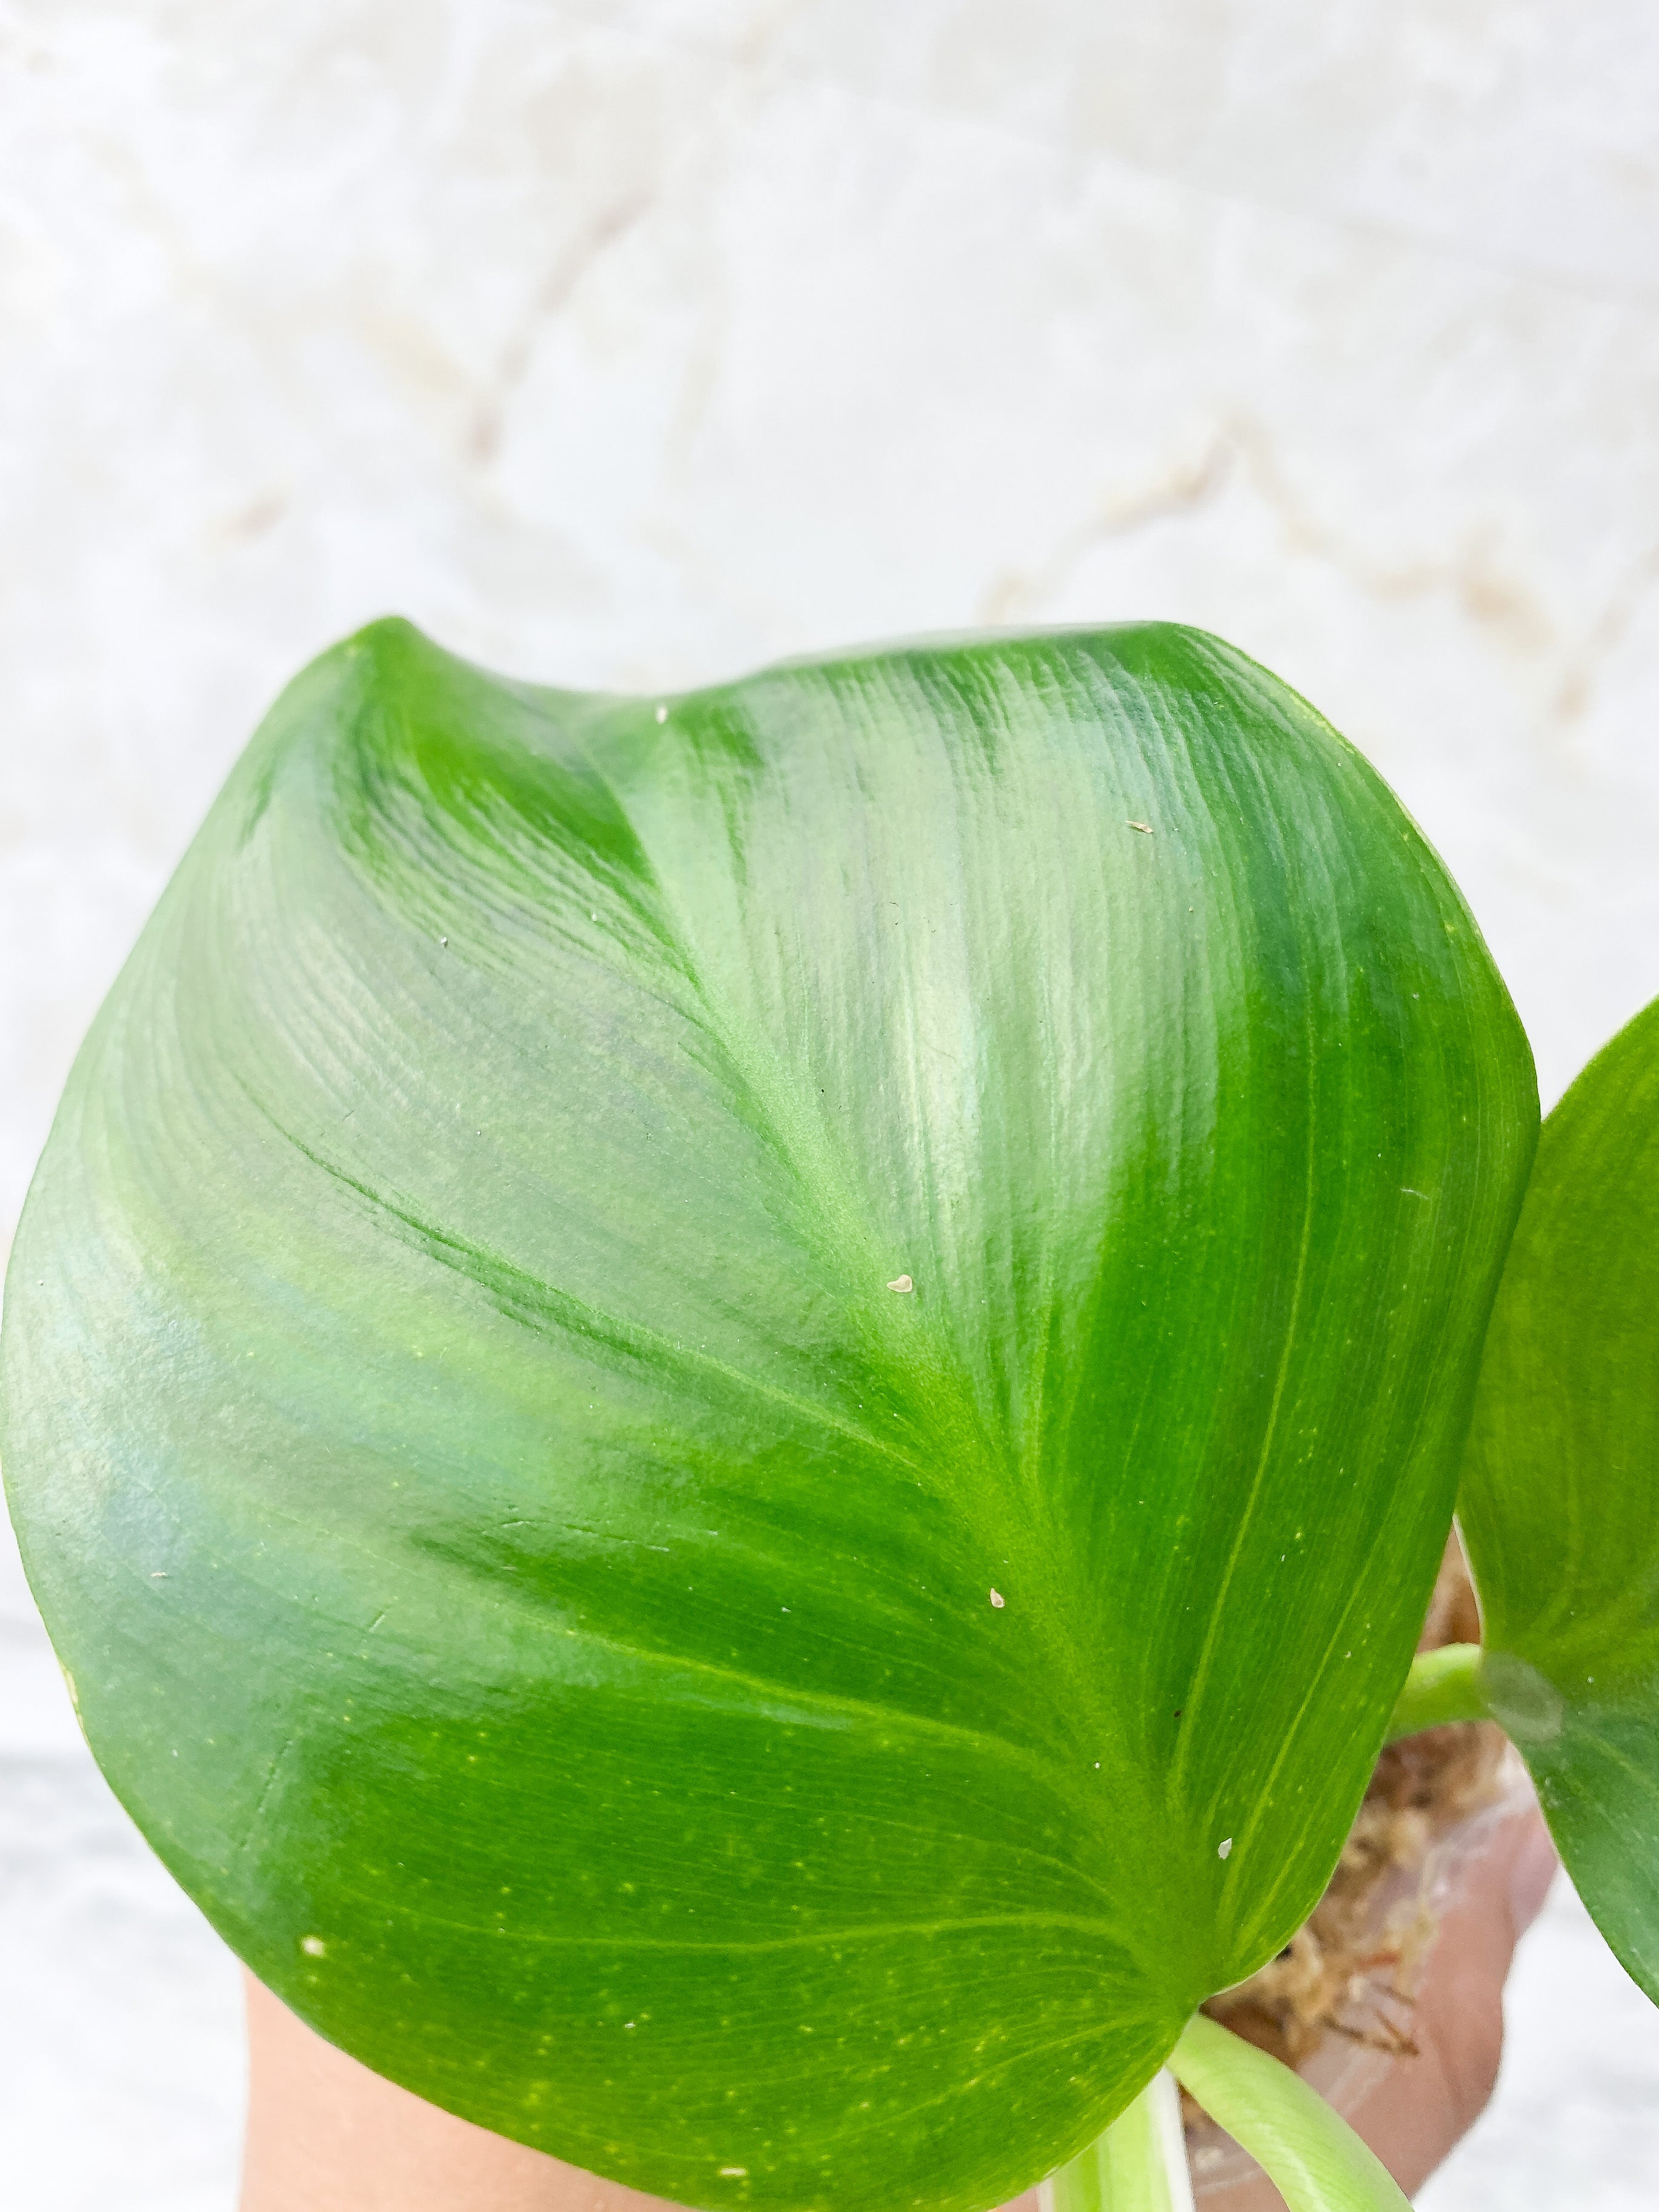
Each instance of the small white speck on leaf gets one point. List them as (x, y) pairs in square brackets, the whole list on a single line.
[(1145, 827), (998, 1599), (900, 1284), (160, 1575), (313, 1946), (628, 2023), (662, 714), (1222, 1849), (443, 941), (734, 2173)]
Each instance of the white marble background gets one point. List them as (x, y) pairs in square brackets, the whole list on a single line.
[(632, 343)]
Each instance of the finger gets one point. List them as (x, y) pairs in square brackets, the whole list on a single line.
[(325, 2135)]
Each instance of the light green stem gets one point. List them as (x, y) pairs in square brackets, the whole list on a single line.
[(1139, 2164), (1315, 2160), (1443, 1685)]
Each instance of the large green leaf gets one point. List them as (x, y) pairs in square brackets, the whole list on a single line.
[(599, 1644), (1560, 1496)]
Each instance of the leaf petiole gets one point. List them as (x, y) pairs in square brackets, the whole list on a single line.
[(1314, 2158), (1443, 1685), (1139, 2164)]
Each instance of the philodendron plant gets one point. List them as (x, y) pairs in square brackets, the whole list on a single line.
[(735, 1412)]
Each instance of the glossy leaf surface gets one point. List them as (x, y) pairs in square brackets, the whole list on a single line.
[(600, 1645), (1560, 1503)]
